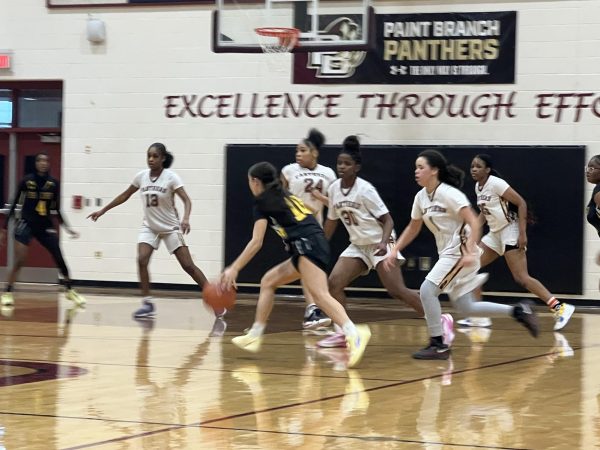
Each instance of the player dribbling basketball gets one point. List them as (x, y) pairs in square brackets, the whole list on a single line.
[(309, 257)]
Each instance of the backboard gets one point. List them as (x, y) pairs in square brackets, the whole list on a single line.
[(324, 25)]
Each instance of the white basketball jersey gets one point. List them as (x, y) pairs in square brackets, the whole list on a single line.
[(158, 199), (359, 208), (440, 212), (492, 205), (301, 180)]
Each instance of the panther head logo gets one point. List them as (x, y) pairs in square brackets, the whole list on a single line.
[(341, 64)]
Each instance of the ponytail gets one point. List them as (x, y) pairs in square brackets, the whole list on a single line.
[(165, 153)]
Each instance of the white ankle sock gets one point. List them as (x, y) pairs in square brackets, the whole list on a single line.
[(349, 329), (257, 329), (309, 308)]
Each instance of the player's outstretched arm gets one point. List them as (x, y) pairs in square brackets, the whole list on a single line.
[(121, 198), (409, 234), (229, 275)]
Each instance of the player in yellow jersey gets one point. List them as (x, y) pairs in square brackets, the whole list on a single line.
[(309, 257)]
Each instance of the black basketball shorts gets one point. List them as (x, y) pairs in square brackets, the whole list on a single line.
[(314, 247), (24, 232)]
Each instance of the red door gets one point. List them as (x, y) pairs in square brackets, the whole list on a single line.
[(28, 146), (3, 189)]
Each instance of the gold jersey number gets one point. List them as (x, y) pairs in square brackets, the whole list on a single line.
[(297, 208), (41, 209)]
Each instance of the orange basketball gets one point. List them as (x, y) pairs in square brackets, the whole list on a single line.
[(218, 299)]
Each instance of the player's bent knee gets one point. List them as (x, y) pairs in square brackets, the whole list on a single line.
[(521, 280), (335, 285), (269, 281), (143, 262)]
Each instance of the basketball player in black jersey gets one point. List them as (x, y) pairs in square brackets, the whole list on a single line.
[(592, 174), (39, 195), (309, 257)]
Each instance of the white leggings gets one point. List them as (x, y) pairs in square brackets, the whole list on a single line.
[(465, 304)]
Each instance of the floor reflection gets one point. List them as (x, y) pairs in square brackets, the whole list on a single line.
[(177, 382)]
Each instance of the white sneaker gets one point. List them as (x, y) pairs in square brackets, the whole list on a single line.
[(562, 316), (248, 343), (357, 344), (475, 322)]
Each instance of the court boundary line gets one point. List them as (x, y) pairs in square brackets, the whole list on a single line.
[(204, 424), (367, 438)]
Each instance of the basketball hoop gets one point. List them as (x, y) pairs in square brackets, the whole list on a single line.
[(287, 39)]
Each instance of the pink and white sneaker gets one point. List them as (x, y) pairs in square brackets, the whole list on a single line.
[(448, 329), (334, 341)]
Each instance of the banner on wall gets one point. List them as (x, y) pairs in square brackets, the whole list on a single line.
[(437, 48)]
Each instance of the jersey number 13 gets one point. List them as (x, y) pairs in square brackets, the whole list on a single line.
[(151, 200)]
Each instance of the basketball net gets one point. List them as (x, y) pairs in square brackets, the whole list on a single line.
[(277, 41)]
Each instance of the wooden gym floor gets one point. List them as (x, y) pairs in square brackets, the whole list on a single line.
[(95, 378)]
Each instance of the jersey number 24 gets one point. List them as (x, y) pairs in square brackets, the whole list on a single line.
[(309, 185)]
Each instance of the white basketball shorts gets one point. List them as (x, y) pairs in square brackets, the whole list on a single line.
[(172, 239), (366, 253), (507, 236)]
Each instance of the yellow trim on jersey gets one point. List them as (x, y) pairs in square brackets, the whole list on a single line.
[(297, 208)]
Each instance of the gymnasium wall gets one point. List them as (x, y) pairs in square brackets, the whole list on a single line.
[(117, 98)]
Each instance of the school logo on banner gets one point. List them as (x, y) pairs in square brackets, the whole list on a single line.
[(438, 48), (337, 64)]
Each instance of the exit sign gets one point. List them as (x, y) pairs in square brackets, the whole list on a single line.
[(4, 61)]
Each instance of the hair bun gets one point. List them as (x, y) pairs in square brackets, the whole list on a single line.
[(316, 137), (351, 144)]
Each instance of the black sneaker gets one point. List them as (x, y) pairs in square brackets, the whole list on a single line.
[(524, 314), (146, 311), (434, 350), (315, 319)]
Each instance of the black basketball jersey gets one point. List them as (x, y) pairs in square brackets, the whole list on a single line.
[(593, 212), (38, 195), (287, 215)]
